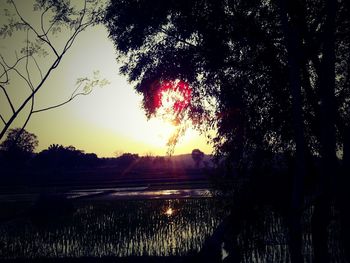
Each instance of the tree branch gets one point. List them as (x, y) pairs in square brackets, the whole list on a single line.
[(37, 65), (52, 24), (5, 73), (27, 70), (33, 29), (28, 117), (13, 117), (177, 38), (80, 27), (42, 21), (8, 67), (63, 103), (8, 98), (2, 119)]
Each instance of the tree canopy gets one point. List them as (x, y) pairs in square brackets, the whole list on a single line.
[(271, 76), (17, 148), (23, 141), (234, 55)]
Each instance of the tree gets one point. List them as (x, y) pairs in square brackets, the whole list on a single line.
[(41, 55), (126, 159), (197, 156), (271, 76), (59, 158), (18, 146)]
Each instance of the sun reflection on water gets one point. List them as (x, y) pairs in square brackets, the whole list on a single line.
[(169, 211)]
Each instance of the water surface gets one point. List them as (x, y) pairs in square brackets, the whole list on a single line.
[(113, 228)]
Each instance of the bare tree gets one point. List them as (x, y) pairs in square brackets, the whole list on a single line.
[(56, 18)]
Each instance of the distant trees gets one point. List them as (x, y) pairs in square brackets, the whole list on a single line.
[(126, 159), (18, 147), (40, 54), (17, 152), (197, 156), (57, 157)]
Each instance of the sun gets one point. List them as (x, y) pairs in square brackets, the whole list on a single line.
[(170, 101), (162, 132)]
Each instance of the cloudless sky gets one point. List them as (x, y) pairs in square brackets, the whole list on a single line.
[(108, 120)]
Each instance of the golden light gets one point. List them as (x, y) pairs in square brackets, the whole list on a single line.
[(169, 211), (111, 118)]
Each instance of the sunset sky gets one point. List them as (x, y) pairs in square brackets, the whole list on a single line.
[(108, 120)]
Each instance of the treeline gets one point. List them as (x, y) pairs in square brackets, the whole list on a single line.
[(17, 155), (136, 161)]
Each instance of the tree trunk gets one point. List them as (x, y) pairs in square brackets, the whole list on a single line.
[(293, 43), (344, 196), (321, 215)]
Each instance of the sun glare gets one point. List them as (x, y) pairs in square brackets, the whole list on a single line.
[(164, 130), (171, 100)]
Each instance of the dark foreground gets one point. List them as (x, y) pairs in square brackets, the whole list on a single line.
[(144, 259), (116, 221)]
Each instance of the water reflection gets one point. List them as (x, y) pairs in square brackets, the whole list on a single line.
[(169, 211), (158, 194), (115, 228)]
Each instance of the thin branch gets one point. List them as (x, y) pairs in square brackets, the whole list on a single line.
[(42, 20), (176, 37), (37, 65), (52, 24), (10, 67), (76, 89), (79, 29), (29, 115), (27, 70), (63, 103), (2, 119), (5, 73), (13, 117), (24, 78), (33, 29), (57, 61), (8, 98), (45, 33)]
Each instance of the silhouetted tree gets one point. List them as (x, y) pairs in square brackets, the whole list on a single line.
[(126, 159), (272, 77), (197, 156), (59, 158), (18, 147)]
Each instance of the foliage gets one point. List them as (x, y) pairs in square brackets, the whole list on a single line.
[(234, 56), (223, 64), (23, 141), (271, 76)]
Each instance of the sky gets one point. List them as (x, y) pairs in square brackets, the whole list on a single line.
[(109, 120)]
